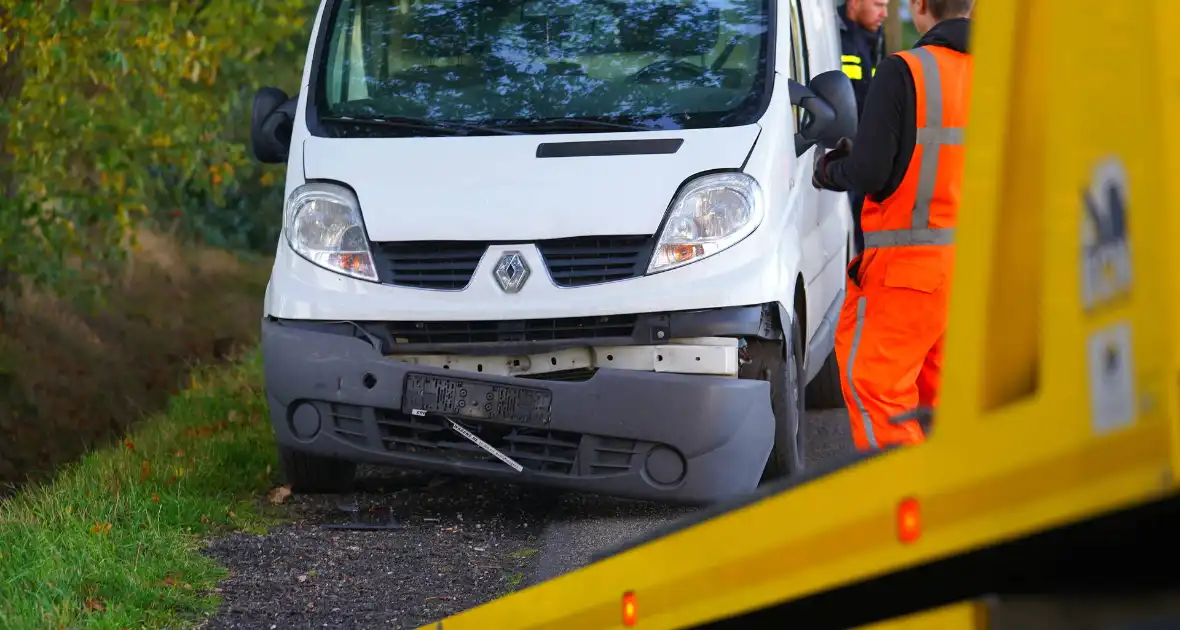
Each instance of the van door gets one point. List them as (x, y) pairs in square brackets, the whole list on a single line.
[(807, 198), (829, 243), (834, 209)]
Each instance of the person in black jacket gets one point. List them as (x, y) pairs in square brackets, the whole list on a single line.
[(862, 46), (862, 43)]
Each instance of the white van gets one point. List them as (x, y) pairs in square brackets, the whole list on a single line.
[(569, 242)]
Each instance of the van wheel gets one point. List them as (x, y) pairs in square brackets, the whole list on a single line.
[(781, 364), (309, 474), (823, 392)]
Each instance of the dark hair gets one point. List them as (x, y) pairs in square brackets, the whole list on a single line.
[(943, 9)]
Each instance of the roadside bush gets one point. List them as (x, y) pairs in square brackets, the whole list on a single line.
[(118, 114)]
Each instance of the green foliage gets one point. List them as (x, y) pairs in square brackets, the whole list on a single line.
[(119, 113), (909, 34)]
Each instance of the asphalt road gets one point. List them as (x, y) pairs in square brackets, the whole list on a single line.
[(442, 545)]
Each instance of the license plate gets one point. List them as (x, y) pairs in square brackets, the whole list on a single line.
[(476, 400)]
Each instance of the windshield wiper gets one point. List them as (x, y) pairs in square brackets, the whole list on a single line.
[(554, 124), (409, 122)]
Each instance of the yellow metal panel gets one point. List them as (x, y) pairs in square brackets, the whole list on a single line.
[(1168, 95), (961, 616), (1003, 268), (1016, 447)]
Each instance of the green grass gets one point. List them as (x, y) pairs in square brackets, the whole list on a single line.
[(114, 540)]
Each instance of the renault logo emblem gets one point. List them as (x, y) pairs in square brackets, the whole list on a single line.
[(511, 272)]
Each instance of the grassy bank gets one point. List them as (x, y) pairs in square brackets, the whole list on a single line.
[(113, 540), (71, 378)]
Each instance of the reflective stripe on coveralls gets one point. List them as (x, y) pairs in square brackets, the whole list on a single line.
[(889, 340)]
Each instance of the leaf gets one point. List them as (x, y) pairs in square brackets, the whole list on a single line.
[(206, 430), (280, 494)]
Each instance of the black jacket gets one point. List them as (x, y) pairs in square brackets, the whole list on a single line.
[(859, 48), (887, 131)]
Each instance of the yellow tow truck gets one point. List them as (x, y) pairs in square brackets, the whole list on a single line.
[(1047, 496)]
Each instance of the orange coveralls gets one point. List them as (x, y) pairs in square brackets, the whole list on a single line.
[(889, 340)]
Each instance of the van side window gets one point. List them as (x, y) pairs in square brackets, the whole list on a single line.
[(800, 71)]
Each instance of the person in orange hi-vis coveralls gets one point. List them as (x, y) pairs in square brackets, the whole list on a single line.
[(908, 159)]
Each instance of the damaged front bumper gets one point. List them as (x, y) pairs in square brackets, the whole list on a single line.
[(336, 390)]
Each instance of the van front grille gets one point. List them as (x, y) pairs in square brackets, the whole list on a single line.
[(571, 262), (441, 265), (587, 260), (523, 330), (540, 450)]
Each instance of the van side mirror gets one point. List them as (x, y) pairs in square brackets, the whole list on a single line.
[(271, 121), (830, 103)]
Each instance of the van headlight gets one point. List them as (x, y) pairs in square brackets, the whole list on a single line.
[(711, 214), (323, 224)]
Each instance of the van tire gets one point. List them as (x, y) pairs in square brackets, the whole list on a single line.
[(781, 364), (310, 474), (823, 392)]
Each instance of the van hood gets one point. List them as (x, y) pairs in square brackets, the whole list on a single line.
[(495, 188)]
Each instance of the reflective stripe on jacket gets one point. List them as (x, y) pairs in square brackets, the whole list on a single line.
[(853, 66)]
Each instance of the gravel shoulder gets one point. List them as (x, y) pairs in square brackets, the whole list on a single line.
[(457, 543)]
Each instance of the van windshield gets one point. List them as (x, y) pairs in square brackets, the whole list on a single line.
[(420, 67)]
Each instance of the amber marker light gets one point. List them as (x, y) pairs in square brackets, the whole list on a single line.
[(629, 609), (909, 520)]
